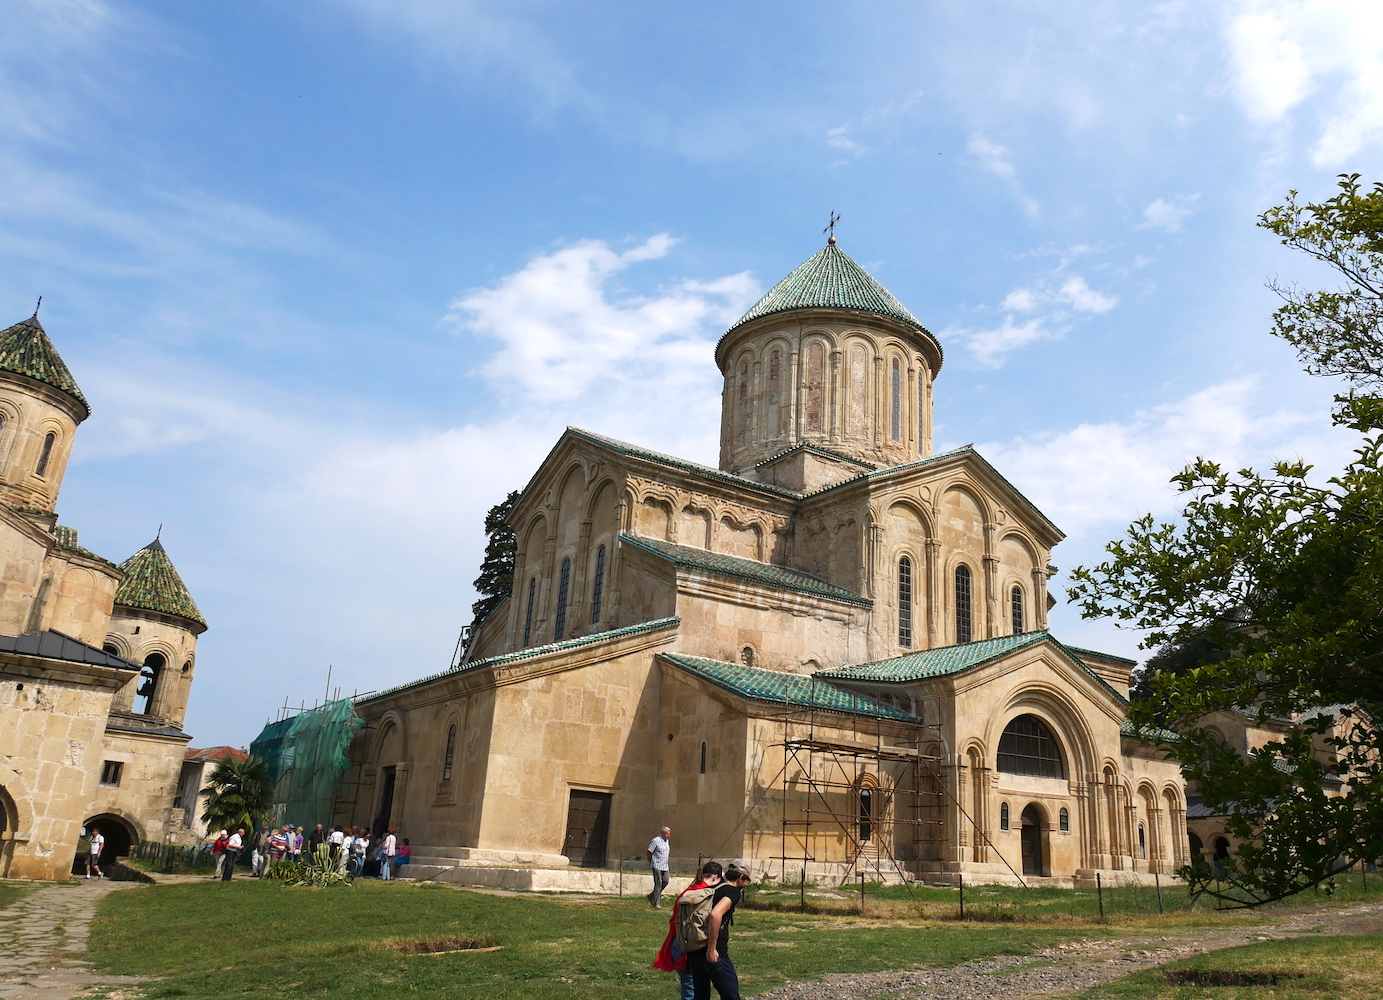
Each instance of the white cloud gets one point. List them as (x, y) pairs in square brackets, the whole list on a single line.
[(990, 346), (1282, 52), (1020, 300), (1169, 215), (839, 138), (996, 160), (1081, 297)]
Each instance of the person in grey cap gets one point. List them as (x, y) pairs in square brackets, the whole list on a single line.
[(658, 850), (711, 966)]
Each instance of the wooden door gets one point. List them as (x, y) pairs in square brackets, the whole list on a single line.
[(1032, 842), (588, 828)]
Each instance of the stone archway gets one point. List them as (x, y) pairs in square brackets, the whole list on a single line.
[(121, 840)]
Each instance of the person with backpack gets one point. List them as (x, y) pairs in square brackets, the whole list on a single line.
[(672, 957), (710, 964)]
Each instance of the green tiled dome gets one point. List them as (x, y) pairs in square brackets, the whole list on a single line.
[(152, 584), (830, 280), (26, 350)]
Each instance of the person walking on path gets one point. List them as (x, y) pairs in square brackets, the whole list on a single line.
[(659, 848), (218, 851), (671, 958), (93, 852), (233, 845), (390, 847), (712, 966)]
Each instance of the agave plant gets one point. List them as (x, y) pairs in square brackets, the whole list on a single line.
[(321, 869)]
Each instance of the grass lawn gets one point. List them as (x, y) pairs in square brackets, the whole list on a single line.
[(247, 938), (1347, 967), (12, 892)]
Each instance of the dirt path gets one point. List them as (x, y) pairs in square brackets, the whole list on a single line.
[(42, 938), (1077, 965)]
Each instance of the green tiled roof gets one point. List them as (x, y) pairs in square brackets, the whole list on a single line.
[(67, 539), (152, 584), (816, 449), (945, 661), (1107, 656), (1150, 735), (764, 574), (829, 279), (528, 654), (782, 688), (26, 350)]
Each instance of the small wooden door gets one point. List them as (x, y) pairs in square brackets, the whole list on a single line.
[(588, 828), (1032, 842)]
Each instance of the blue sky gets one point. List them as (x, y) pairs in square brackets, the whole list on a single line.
[(335, 273)]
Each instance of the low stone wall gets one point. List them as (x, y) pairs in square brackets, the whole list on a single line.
[(590, 880)]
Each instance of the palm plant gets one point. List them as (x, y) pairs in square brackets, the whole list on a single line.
[(240, 794)]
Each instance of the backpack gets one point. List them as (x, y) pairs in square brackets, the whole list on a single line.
[(693, 913)]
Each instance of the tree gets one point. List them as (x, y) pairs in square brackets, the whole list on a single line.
[(240, 794), (1272, 585), (496, 578)]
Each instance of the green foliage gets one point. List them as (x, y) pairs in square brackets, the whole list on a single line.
[(240, 794), (1266, 596), (496, 578), (319, 871)]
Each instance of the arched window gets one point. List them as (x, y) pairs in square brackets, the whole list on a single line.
[(963, 620), (450, 756), (1064, 820), (528, 615), (1027, 746), (1015, 609), (905, 602), (599, 588), (559, 628), (897, 426), (111, 648), (703, 756), (46, 454), (742, 416), (747, 656), (148, 684), (1142, 842), (921, 411), (866, 815), (815, 363), (1003, 816), (775, 383)]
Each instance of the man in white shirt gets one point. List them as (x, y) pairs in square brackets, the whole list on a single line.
[(93, 852), (658, 851), (233, 846), (390, 847)]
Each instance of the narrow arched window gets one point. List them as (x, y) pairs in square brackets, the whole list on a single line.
[(148, 684), (813, 404), (599, 588), (1015, 608), (528, 615), (742, 417), (897, 424), (559, 628), (747, 656), (703, 756), (46, 454), (450, 756), (1064, 820), (963, 619), (1003, 816), (866, 815), (905, 602), (921, 412), (1027, 746), (1142, 842)]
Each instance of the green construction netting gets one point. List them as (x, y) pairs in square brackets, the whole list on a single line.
[(306, 755)]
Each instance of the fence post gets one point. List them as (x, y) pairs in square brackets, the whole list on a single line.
[(802, 902), (1157, 878), (1099, 892)]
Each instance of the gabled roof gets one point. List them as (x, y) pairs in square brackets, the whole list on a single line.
[(52, 645), (817, 450), (502, 659), (948, 661), (215, 753), (779, 688), (26, 350), (672, 462), (152, 584), (764, 574), (830, 279)]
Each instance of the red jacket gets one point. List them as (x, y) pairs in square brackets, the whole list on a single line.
[(666, 960)]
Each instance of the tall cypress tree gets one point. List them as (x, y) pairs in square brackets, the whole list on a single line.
[(496, 577)]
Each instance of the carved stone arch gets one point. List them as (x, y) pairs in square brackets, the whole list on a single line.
[(535, 530), (1021, 537), (391, 723), (1055, 707), (819, 334), (975, 746), (1171, 794), (577, 467), (914, 506), (963, 484), (133, 826), (120, 642), (597, 487)]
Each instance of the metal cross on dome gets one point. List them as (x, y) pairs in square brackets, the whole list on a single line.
[(830, 229)]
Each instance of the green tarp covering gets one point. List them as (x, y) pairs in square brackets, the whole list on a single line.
[(306, 755)]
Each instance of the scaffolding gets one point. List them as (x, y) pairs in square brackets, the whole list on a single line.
[(866, 785), (306, 754)]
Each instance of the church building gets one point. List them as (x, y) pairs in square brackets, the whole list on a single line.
[(829, 654), (96, 659)]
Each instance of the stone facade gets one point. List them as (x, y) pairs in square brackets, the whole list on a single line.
[(95, 659), (830, 652)]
